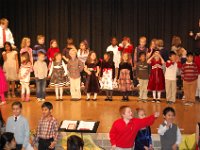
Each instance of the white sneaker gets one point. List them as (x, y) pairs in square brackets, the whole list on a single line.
[(39, 100), (43, 100), (183, 98)]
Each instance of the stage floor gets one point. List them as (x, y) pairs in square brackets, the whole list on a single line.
[(105, 112)]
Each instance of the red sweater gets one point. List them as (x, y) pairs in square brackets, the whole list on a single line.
[(189, 72), (197, 62), (128, 49), (51, 52), (123, 135)]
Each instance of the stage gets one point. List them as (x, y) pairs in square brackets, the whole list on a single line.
[(105, 112)]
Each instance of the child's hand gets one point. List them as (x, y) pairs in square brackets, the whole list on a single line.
[(174, 147), (52, 146), (156, 114)]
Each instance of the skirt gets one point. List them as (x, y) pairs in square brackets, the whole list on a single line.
[(92, 84), (58, 78), (106, 81), (125, 83), (3, 85)]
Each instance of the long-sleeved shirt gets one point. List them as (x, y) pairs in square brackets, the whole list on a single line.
[(189, 72), (172, 70), (126, 49), (74, 67), (163, 128), (40, 69), (51, 52), (38, 48), (9, 37), (20, 128), (123, 135), (116, 54)]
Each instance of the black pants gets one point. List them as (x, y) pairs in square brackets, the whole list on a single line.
[(44, 144), (18, 146)]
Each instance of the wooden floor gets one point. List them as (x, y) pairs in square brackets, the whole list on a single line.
[(105, 112)]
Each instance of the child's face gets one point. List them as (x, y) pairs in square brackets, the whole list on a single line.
[(93, 56), (142, 42), (41, 57), (114, 41), (28, 43), (172, 58), (190, 59), (153, 45), (41, 41), (12, 144), (16, 110), (141, 114), (46, 112), (4, 26), (72, 54), (142, 58), (54, 44), (128, 114), (58, 58), (23, 58), (7, 47), (106, 57), (82, 46), (169, 117)]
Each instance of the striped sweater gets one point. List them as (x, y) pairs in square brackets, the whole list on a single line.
[(189, 72)]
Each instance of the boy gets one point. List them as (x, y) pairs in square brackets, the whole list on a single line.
[(47, 131), (142, 71), (40, 47), (125, 129), (40, 71), (18, 125), (74, 67), (170, 135), (189, 76), (172, 66)]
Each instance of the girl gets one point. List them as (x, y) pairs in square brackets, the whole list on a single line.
[(156, 80), (125, 76), (92, 70), (69, 45), (7, 141), (107, 75), (25, 47), (143, 139), (52, 50), (3, 86), (125, 46), (10, 67), (24, 76), (153, 48), (58, 72), (82, 55)]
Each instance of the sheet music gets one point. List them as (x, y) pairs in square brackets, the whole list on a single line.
[(65, 124), (84, 125)]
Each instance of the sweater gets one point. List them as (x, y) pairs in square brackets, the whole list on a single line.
[(123, 135), (142, 70), (189, 72)]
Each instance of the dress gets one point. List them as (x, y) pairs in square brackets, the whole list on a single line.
[(143, 138), (58, 74), (92, 82), (10, 66), (125, 75), (3, 85), (107, 75), (156, 79)]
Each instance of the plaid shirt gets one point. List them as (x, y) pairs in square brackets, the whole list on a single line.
[(47, 129)]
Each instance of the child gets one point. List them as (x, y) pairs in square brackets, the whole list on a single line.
[(92, 70), (107, 75), (3, 87), (141, 48), (125, 76), (18, 125), (7, 141), (125, 46), (156, 80), (143, 139), (75, 143), (189, 76), (74, 68), (52, 50), (170, 135), (69, 45), (163, 51), (152, 48), (125, 129), (24, 76), (25, 47), (142, 71), (40, 70), (39, 47), (172, 66), (10, 67), (197, 62), (47, 130), (58, 72), (116, 54)]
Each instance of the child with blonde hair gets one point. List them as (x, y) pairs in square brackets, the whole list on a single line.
[(25, 47)]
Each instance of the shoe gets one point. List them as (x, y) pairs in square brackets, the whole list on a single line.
[(153, 101), (197, 98), (110, 99), (57, 99), (75, 99), (188, 104), (107, 99), (94, 99), (43, 100), (88, 99), (144, 100), (123, 98), (158, 101), (2, 103), (183, 98), (61, 99), (126, 99), (39, 100), (170, 102)]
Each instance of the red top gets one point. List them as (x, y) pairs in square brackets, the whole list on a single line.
[(128, 49), (197, 62), (51, 52), (189, 72), (123, 135)]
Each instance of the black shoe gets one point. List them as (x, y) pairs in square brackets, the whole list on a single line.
[(57, 99), (153, 101), (61, 99), (110, 99), (158, 101), (107, 99), (144, 100), (126, 99), (197, 98), (123, 98), (88, 99)]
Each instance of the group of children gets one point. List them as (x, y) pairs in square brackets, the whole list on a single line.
[(156, 69)]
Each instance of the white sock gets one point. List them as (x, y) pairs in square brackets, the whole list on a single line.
[(95, 96), (88, 95), (56, 91), (61, 92), (154, 94), (159, 94)]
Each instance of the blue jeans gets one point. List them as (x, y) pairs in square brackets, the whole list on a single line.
[(41, 88)]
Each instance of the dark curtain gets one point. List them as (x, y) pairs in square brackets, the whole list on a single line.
[(98, 20)]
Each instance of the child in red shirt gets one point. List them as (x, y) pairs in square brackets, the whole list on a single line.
[(125, 129)]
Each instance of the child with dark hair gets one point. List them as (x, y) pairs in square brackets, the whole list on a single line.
[(75, 143), (7, 141), (170, 135), (47, 130), (18, 125)]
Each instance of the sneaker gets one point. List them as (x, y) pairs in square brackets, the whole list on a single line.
[(88, 99), (43, 100), (144, 100), (158, 101), (188, 104), (153, 101), (57, 99), (183, 98), (2, 103), (39, 100), (106, 99)]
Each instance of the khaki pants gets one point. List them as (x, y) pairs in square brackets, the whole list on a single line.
[(143, 89), (190, 90), (75, 88), (170, 86)]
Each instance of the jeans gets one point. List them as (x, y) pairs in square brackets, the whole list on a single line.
[(44, 144), (41, 88)]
